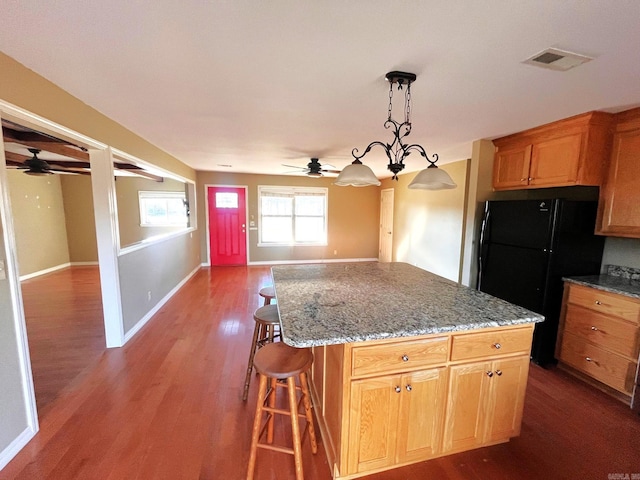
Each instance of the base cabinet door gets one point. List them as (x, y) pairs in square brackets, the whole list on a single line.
[(422, 404), (506, 398), (485, 402), (466, 404), (373, 423), (396, 419)]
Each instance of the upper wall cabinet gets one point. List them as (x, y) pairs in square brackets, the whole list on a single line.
[(568, 152), (619, 206)]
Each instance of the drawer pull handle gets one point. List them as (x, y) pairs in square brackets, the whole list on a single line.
[(489, 374), (405, 358), (409, 388), (598, 302), (595, 329), (499, 372), (398, 389), (497, 346)]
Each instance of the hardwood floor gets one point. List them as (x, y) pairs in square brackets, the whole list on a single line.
[(168, 406), (65, 328)]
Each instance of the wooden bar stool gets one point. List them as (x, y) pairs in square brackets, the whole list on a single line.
[(266, 320), (278, 361), (268, 293)]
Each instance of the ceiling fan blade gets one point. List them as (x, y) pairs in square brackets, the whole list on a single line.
[(295, 166), (330, 171)]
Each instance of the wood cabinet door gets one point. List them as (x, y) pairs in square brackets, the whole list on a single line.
[(373, 423), (422, 404), (511, 168), (466, 406), (506, 398), (555, 162), (620, 198)]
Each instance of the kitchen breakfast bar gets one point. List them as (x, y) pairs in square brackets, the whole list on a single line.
[(408, 365)]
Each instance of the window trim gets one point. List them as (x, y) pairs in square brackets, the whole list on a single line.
[(319, 191), (151, 194)]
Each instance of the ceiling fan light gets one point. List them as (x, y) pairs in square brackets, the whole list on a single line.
[(356, 175), (432, 178)]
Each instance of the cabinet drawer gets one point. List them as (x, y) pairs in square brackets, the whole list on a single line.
[(609, 368), (605, 302), (399, 356), (489, 344), (607, 332)]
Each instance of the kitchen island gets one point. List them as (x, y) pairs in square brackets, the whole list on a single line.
[(408, 365)]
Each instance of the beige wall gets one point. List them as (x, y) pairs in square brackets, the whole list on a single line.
[(127, 189), (427, 225), (352, 213), (39, 221), (80, 221), (26, 89)]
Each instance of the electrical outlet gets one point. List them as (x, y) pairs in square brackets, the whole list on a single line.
[(149, 296)]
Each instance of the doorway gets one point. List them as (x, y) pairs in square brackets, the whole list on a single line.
[(385, 252), (227, 212)]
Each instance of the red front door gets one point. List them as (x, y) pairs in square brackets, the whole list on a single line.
[(227, 228)]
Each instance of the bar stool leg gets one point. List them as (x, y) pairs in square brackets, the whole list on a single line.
[(255, 433), (295, 427), (252, 353), (304, 386), (272, 404)]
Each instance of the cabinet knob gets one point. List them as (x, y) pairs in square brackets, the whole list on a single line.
[(398, 389), (523, 179), (409, 388), (530, 178), (598, 302), (499, 372), (405, 358), (489, 373), (595, 329), (588, 359), (497, 346)]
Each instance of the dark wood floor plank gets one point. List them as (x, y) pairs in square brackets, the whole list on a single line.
[(169, 405)]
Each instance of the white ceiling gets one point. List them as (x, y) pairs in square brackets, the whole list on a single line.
[(255, 84)]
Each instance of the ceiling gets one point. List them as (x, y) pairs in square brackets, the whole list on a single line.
[(247, 86)]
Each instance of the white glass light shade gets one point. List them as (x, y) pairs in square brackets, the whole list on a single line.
[(356, 175), (432, 178)]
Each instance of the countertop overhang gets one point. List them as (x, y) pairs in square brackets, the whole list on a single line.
[(323, 304)]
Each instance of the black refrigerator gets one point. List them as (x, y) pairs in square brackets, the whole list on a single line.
[(526, 247)]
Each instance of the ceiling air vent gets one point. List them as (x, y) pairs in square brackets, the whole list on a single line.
[(555, 59)]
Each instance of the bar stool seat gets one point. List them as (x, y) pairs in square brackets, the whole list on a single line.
[(267, 320), (268, 293), (273, 362)]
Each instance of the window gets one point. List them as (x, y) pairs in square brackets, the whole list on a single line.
[(293, 215), (163, 209)]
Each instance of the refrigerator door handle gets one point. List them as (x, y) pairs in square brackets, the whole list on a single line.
[(484, 246)]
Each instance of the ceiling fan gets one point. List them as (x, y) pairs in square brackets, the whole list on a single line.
[(38, 166), (314, 168)]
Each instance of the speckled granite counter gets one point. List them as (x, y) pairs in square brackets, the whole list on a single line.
[(324, 304), (609, 283)]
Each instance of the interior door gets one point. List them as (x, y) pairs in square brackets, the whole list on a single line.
[(385, 252), (227, 225)]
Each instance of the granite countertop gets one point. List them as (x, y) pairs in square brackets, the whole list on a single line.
[(324, 304), (609, 283)]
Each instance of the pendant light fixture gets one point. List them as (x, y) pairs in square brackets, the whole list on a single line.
[(359, 175)]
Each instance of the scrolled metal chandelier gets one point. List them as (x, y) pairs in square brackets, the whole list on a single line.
[(359, 175)]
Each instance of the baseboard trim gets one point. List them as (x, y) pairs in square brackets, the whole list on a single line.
[(14, 447), (44, 272), (143, 321), (323, 260), (84, 264)]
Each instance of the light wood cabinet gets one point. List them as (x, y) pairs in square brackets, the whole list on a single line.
[(619, 206), (485, 403), (568, 152), (396, 419), (599, 338), (387, 403)]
